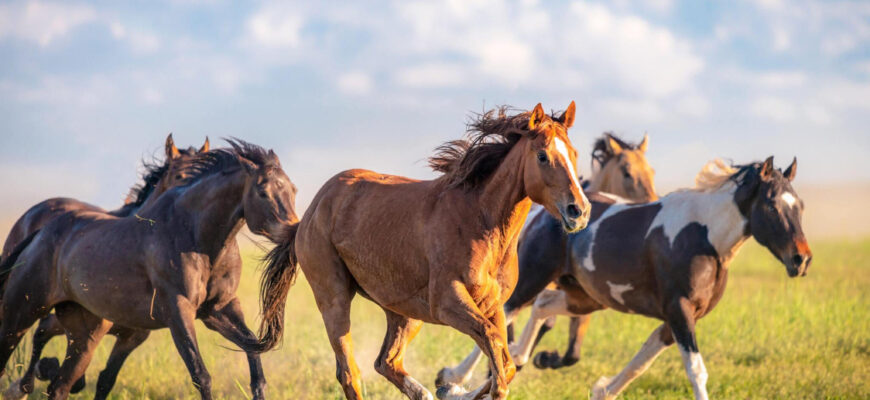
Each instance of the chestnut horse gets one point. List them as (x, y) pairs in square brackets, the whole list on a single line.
[(440, 251), (622, 171), (163, 268), (669, 259), (157, 178)]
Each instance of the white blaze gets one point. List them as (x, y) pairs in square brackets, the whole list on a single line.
[(563, 150), (789, 199)]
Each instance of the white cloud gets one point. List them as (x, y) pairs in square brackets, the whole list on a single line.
[(355, 83), (140, 42), (774, 108), (275, 26), (433, 75), (42, 22)]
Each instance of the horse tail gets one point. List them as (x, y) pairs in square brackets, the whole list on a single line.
[(278, 276), (9, 263)]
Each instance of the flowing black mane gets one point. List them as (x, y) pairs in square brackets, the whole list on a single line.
[(154, 171), (223, 160), (601, 152), (490, 136)]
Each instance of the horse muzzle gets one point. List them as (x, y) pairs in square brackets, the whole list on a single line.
[(574, 217), (798, 264)]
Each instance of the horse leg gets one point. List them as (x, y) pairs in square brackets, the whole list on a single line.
[(576, 332), (457, 308), (48, 328), (461, 373), (549, 304), (128, 340), (180, 315), (681, 320), (84, 331), (23, 304), (390, 361), (229, 321), (609, 388)]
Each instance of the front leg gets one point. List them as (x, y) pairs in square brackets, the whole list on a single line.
[(229, 321), (179, 314), (680, 315)]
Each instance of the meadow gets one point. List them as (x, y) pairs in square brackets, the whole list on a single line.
[(771, 337)]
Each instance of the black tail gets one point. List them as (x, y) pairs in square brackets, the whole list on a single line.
[(278, 276), (9, 263)]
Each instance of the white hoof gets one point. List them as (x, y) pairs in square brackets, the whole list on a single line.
[(450, 392), (14, 392), (599, 390)]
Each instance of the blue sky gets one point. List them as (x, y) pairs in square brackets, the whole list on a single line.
[(89, 89)]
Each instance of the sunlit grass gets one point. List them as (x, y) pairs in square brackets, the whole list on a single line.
[(770, 337)]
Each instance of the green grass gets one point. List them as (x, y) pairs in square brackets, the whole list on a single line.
[(770, 337)]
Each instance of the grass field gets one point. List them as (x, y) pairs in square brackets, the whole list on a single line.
[(770, 337)]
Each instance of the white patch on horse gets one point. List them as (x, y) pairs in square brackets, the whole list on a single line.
[(563, 150), (615, 198), (617, 290), (715, 210), (696, 371), (586, 261), (789, 199)]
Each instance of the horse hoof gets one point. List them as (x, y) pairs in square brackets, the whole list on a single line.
[(599, 390), (47, 368), (449, 391), (78, 386), (14, 392), (545, 359)]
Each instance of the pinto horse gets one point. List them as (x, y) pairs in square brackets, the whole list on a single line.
[(157, 178), (669, 259), (440, 251), (163, 268)]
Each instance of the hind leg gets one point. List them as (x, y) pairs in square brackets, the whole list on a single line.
[(48, 328), (84, 331), (576, 332), (390, 362), (128, 340), (609, 388), (229, 321)]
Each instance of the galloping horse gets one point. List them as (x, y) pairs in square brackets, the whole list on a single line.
[(157, 178), (172, 263), (669, 259), (440, 251), (623, 171)]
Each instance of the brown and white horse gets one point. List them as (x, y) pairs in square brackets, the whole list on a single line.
[(669, 259), (622, 171), (440, 251)]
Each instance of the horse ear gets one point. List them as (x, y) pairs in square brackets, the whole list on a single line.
[(766, 169), (249, 166), (171, 151), (643, 144), (536, 117), (613, 146), (791, 171), (567, 118), (205, 146)]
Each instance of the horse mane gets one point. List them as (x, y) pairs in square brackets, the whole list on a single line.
[(154, 171), (466, 163), (226, 159), (601, 152), (716, 173)]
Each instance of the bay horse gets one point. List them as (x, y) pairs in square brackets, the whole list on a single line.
[(156, 179), (669, 259), (440, 251), (623, 171), (164, 268)]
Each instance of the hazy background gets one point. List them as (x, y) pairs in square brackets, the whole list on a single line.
[(87, 90)]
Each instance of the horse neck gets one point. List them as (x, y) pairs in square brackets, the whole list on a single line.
[(714, 209), (214, 207), (603, 182), (503, 199)]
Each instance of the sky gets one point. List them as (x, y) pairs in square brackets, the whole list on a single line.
[(89, 90)]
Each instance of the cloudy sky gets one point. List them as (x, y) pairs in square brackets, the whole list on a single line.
[(89, 89)]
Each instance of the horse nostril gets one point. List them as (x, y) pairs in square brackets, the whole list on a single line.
[(573, 211), (798, 260)]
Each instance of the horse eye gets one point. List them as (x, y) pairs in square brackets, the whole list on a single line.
[(542, 156), (262, 193), (626, 175)]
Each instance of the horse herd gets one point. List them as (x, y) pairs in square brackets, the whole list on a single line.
[(467, 249)]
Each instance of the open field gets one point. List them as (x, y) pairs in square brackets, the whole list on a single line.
[(770, 337)]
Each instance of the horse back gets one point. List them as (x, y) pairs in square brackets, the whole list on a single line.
[(39, 215)]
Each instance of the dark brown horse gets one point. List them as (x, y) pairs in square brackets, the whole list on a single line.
[(163, 268), (669, 259), (158, 178), (622, 170), (441, 251)]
